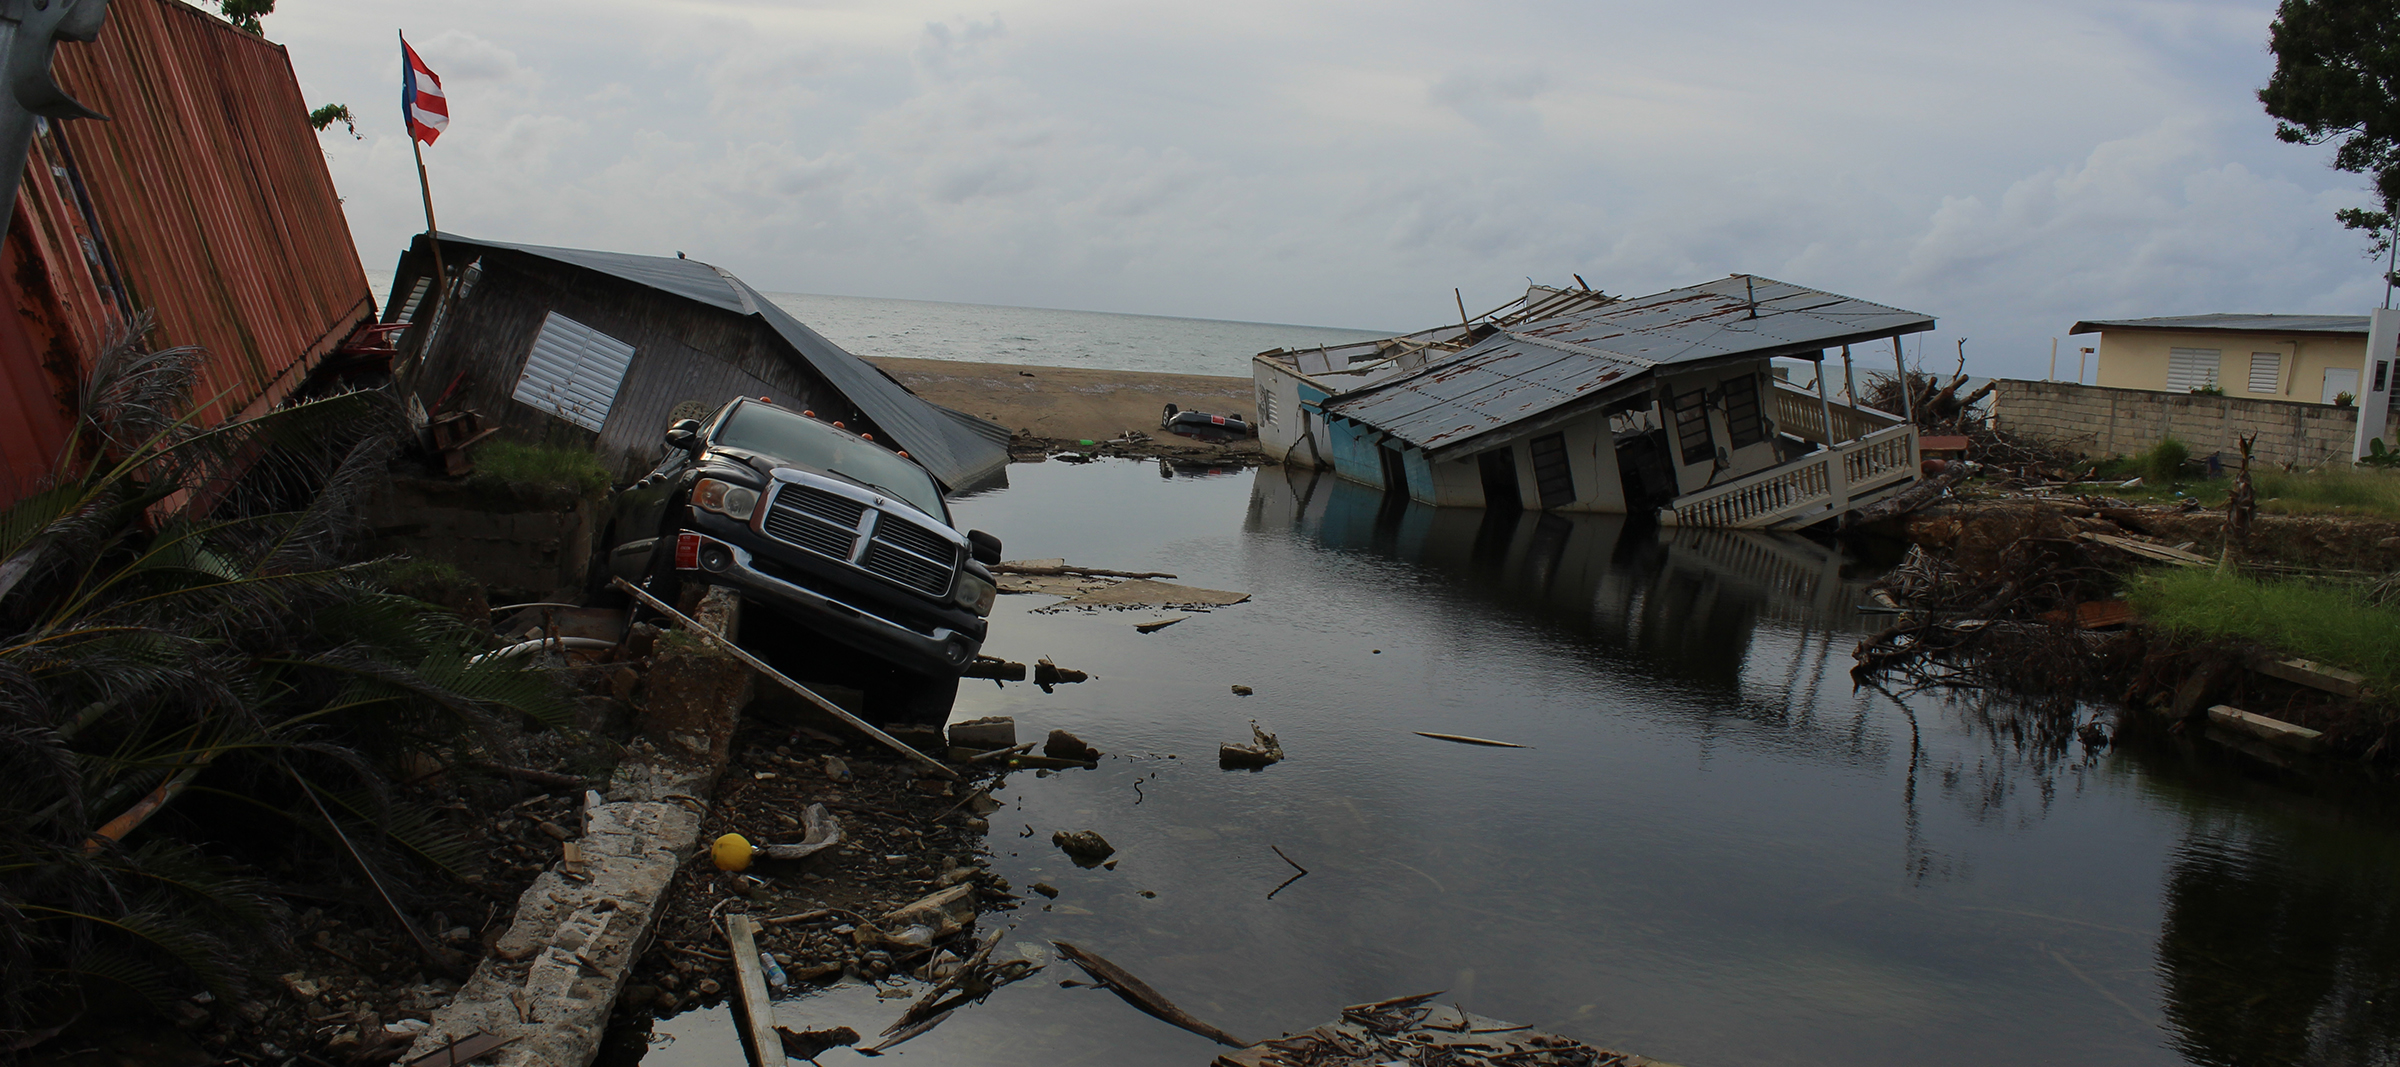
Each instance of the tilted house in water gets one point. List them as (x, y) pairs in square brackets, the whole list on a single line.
[(604, 350), (1574, 401)]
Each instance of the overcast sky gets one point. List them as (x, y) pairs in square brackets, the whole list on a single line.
[(2009, 167)]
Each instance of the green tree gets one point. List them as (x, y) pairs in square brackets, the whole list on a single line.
[(244, 14), (2337, 79)]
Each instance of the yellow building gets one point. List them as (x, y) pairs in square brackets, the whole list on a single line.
[(2310, 359)]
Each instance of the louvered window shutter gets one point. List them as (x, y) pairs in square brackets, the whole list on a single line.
[(574, 372)]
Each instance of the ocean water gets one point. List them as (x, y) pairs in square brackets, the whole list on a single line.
[(1044, 337), (1049, 337)]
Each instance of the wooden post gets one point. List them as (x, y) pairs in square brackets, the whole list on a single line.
[(1825, 403), (750, 981), (1908, 404)]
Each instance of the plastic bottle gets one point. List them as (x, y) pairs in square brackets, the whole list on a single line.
[(776, 979)]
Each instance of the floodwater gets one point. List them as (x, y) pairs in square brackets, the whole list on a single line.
[(1713, 852)]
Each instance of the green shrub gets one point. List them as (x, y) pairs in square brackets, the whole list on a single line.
[(2328, 623), (2163, 463), (522, 464)]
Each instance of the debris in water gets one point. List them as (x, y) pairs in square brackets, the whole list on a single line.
[(1406, 1030), (1154, 627), (995, 669), (1086, 847), (810, 1044), (1144, 593), (1262, 750), (1242, 690), (1116, 980), (1064, 745), (1465, 740), (1047, 674), (1295, 866)]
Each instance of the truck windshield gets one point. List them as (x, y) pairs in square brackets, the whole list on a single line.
[(804, 442)]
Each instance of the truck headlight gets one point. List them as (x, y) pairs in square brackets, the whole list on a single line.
[(725, 498), (975, 594)]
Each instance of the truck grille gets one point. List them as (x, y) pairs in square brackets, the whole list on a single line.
[(821, 522), (910, 555)]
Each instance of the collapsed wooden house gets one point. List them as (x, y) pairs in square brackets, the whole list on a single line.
[(603, 350), (1574, 401)]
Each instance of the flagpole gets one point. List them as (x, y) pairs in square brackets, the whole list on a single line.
[(424, 187)]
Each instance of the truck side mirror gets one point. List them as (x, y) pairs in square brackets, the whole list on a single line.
[(684, 434), (984, 547)]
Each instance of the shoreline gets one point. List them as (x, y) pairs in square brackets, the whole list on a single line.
[(1073, 409)]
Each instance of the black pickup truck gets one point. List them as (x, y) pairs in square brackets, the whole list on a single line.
[(837, 532)]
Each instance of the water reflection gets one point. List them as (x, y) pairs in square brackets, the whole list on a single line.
[(2281, 943), (1715, 851), (1687, 602)]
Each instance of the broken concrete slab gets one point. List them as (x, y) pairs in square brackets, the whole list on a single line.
[(552, 978), (985, 734)]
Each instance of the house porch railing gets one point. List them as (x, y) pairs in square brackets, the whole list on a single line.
[(1816, 486), (1801, 413)]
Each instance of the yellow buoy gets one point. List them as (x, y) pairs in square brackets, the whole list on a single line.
[(732, 852)]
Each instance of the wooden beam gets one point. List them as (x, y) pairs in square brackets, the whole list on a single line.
[(2311, 673), (750, 983)]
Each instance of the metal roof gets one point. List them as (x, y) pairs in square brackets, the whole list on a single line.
[(2353, 324), (956, 447), (1539, 368), (204, 199)]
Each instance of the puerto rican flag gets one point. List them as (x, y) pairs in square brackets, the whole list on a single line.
[(421, 99)]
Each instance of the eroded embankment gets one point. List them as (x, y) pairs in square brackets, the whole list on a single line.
[(2029, 597)]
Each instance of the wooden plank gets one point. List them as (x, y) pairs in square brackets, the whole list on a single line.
[(2176, 556), (750, 982), (2311, 673), (2272, 731)]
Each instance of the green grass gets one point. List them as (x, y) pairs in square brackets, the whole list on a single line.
[(523, 464), (2350, 491), (2357, 491), (2331, 624)]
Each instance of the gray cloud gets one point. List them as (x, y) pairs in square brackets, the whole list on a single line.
[(2009, 167)]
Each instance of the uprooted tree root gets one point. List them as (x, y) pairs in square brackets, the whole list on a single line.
[(2014, 628)]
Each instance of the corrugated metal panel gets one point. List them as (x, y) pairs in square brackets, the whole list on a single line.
[(2356, 324), (1540, 367), (204, 199)]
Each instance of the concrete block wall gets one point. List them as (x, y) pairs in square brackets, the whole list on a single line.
[(519, 541), (2097, 421)]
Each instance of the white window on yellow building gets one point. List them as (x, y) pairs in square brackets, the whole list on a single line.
[(2192, 368), (2266, 371)]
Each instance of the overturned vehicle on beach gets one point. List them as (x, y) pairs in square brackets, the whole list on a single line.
[(830, 529)]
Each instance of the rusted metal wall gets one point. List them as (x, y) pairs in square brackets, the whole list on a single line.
[(204, 200)]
